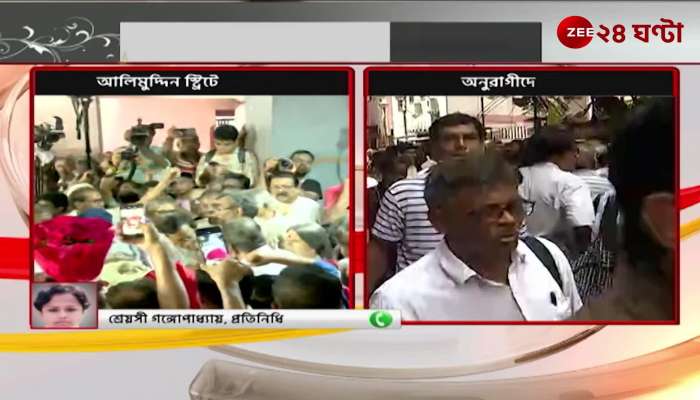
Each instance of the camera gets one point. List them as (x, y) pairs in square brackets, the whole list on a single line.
[(129, 153), (139, 134), (285, 164), (45, 135)]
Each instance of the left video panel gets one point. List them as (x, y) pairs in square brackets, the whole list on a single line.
[(190, 188)]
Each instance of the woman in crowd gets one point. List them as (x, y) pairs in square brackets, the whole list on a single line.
[(311, 241), (61, 306)]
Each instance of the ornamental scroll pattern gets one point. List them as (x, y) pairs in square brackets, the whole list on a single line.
[(68, 42)]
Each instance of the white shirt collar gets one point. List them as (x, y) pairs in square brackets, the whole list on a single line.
[(455, 268), (549, 164), (460, 272), (530, 282)]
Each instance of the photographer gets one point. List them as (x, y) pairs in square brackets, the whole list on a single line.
[(45, 136), (67, 171), (181, 147), (270, 167), (141, 162), (229, 154)]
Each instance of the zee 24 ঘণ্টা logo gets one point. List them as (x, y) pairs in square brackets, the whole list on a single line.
[(576, 32)]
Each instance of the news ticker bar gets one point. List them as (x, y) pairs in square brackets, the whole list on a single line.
[(142, 81), (250, 319), (475, 82)]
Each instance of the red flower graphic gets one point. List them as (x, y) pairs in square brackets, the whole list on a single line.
[(72, 249)]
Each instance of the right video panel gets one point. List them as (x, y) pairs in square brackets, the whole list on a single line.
[(523, 194)]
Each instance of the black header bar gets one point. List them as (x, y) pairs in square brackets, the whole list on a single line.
[(522, 82), (191, 82)]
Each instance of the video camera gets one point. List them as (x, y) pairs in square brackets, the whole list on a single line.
[(139, 134), (45, 135), (129, 153)]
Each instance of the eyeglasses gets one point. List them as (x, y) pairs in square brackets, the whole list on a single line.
[(217, 207), (521, 208)]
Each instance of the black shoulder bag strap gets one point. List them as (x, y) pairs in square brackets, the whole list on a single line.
[(608, 224), (544, 256), (596, 202), (240, 153)]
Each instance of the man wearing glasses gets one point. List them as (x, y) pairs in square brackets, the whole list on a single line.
[(481, 270), (402, 232)]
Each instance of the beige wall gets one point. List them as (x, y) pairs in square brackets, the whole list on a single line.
[(120, 113), (111, 116)]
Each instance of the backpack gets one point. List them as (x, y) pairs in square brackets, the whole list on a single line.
[(544, 256)]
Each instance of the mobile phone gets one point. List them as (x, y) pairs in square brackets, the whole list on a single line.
[(132, 216), (211, 241)]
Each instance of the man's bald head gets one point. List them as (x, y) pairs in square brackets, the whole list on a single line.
[(244, 234)]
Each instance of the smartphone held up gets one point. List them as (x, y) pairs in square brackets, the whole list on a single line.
[(132, 216), (211, 241)]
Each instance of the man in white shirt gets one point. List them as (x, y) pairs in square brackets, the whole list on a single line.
[(586, 169), (230, 205), (481, 270), (402, 233), (291, 208), (561, 201)]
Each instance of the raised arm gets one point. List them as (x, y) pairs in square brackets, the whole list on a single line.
[(161, 187), (278, 257), (168, 146), (170, 288), (227, 275)]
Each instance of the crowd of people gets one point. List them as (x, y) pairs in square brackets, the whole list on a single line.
[(165, 208), (548, 228)]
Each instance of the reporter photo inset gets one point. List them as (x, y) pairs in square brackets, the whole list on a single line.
[(64, 306), (194, 187), (523, 194)]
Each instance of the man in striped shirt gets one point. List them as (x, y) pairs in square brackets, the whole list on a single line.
[(402, 232)]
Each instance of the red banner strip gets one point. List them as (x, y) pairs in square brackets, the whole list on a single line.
[(14, 263), (15, 251), (689, 197)]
